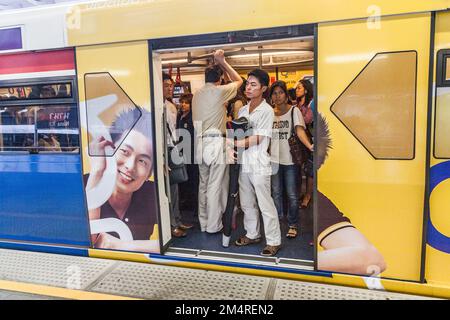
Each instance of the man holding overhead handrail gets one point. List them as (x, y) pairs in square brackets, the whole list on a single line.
[(209, 117)]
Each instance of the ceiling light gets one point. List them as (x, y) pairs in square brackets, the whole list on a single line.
[(175, 61), (265, 54)]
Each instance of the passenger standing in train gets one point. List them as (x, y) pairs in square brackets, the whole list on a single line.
[(209, 116), (254, 179), (305, 95), (285, 172), (189, 189), (178, 228)]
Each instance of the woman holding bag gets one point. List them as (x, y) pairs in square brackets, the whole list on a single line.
[(305, 95), (288, 122)]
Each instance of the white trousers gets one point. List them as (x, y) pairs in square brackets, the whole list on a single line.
[(212, 196), (254, 192)]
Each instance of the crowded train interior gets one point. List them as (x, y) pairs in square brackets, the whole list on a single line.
[(287, 60)]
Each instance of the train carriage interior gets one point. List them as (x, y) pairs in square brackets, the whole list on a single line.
[(289, 60)]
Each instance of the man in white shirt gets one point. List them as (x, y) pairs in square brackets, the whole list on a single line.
[(178, 228), (254, 179), (209, 117)]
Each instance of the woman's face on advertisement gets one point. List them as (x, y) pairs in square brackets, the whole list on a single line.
[(134, 162)]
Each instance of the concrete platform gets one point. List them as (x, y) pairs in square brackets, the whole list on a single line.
[(31, 275)]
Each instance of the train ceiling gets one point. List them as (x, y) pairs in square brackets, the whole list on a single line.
[(288, 53)]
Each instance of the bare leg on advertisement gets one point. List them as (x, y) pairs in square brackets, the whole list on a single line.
[(348, 250)]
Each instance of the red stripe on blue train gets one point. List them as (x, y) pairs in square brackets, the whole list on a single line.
[(28, 62)]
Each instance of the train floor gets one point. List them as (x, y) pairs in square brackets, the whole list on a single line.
[(41, 276), (298, 248)]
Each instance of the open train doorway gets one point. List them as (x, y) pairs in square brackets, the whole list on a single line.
[(288, 58)]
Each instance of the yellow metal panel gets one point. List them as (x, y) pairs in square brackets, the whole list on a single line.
[(438, 262), (442, 37), (439, 203), (383, 199), (112, 21), (437, 265)]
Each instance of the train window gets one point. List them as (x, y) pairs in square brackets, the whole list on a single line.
[(447, 69), (11, 38), (48, 128), (378, 107), (443, 68), (38, 91), (105, 101), (442, 112), (442, 124), (17, 128)]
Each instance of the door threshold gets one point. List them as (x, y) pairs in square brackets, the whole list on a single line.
[(241, 258)]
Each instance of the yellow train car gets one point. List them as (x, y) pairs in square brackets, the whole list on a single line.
[(378, 217)]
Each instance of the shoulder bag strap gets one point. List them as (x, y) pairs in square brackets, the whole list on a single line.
[(292, 122), (171, 136)]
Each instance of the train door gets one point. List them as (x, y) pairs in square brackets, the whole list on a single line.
[(161, 147), (438, 240), (41, 196), (371, 145), (286, 54), (120, 166)]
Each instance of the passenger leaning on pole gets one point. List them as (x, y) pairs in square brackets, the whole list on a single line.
[(254, 179), (209, 117)]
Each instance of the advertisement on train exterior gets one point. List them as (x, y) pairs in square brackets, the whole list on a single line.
[(118, 165), (372, 148)]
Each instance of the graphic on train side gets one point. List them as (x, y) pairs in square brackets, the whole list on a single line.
[(316, 146)]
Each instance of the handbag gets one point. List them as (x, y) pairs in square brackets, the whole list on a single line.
[(178, 170), (307, 113), (298, 150)]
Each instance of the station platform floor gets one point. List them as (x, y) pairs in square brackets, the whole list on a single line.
[(41, 276)]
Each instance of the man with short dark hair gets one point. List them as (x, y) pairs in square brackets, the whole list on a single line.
[(254, 179), (209, 117), (213, 74)]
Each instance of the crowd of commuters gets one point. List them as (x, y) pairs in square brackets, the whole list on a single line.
[(267, 168)]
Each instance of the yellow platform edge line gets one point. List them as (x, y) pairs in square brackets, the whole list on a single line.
[(57, 292)]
